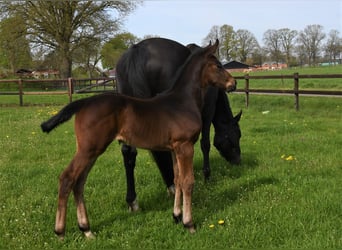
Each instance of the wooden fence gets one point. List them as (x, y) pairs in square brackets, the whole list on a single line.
[(295, 91), (69, 86), (73, 86)]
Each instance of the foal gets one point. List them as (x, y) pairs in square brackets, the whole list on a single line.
[(170, 121)]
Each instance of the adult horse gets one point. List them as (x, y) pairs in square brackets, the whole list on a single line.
[(170, 121), (144, 71)]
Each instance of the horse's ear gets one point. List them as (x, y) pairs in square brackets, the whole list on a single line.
[(211, 49), (238, 116)]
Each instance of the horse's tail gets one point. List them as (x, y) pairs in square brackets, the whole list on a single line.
[(62, 116)]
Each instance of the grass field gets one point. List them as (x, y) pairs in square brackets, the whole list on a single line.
[(286, 193)]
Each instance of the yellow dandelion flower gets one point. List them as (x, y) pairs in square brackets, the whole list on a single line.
[(211, 226), (283, 156), (289, 158), (221, 222)]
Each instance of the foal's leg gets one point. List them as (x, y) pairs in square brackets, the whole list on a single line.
[(129, 156), (78, 167), (177, 210), (82, 216), (184, 181)]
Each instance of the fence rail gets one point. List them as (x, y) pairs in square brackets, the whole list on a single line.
[(295, 91), (73, 86), (69, 86)]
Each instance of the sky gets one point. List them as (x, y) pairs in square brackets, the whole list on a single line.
[(190, 21)]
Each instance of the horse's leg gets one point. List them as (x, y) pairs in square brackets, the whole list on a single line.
[(177, 210), (184, 180), (82, 216), (163, 160), (205, 146), (208, 112), (79, 166), (129, 156)]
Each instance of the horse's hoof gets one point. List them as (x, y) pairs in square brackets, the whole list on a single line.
[(177, 218), (89, 235), (133, 206), (59, 235), (171, 190), (191, 227)]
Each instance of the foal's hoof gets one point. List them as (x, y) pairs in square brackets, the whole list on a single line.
[(133, 206), (89, 235), (59, 235), (191, 227), (177, 218)]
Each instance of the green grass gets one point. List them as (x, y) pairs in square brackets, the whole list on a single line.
[(267, 202)]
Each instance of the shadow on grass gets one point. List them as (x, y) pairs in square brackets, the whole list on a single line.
[(216, 197)]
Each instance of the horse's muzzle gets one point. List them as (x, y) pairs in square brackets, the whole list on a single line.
[(231, 86)]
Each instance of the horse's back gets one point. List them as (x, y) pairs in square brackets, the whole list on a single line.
[(147, 68)]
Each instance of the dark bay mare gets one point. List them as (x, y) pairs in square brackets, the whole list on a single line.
[(144, 71), (170, 121)]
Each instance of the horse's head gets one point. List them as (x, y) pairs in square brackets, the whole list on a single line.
[(214, 74), (227, 141)]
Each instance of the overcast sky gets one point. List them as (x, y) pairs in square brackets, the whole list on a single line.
[(189, 21)]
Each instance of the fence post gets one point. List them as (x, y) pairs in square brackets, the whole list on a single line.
[(296, 90), (247, 89), (20, 88), (70, 88)]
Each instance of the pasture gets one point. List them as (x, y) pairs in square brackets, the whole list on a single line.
[(285, 194)]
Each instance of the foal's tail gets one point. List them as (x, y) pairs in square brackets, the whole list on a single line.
[(62, 116)]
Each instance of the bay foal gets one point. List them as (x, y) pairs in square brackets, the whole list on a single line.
[(170, 121)]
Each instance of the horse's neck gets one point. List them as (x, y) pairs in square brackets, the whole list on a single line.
[(188, 84)]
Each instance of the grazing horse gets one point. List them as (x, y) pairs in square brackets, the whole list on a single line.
[(170, 121), (144, 71)]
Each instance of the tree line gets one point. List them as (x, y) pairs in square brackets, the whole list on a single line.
[(77, 35), (306, 47)]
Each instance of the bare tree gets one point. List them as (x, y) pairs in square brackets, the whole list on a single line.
[(272, 42), (246, 43), (64, 26), (333, 47), (287, 37), (310, 39), (213, 34)]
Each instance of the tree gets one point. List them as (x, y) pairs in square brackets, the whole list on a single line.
[(271, 39), (286, 37), (246, 43), (113, 49), (64, 26), (333, 47), (228, 42), (14, 45), (310, 39)]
